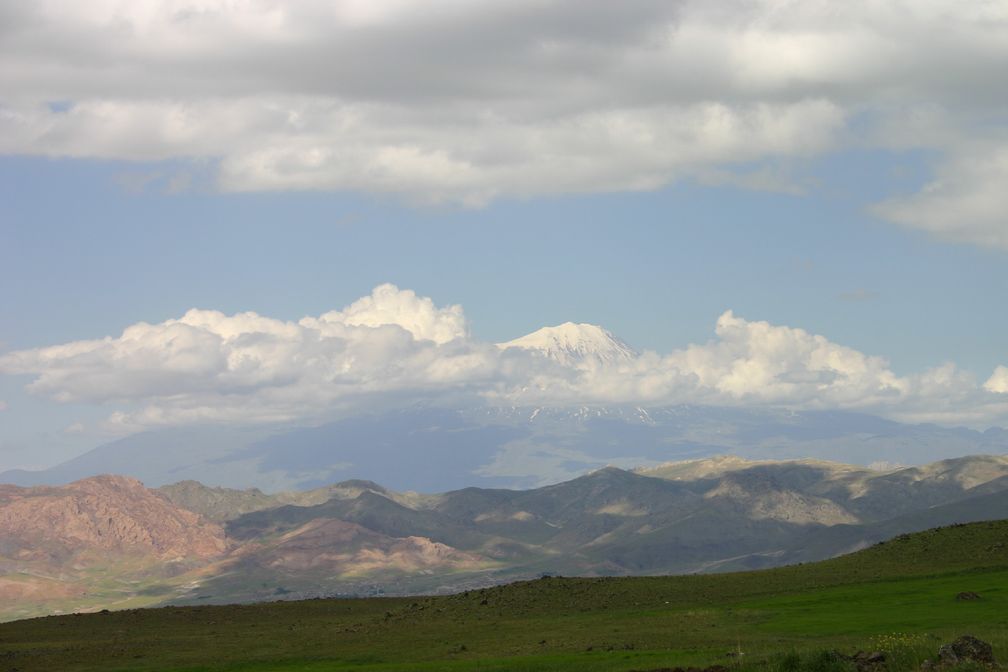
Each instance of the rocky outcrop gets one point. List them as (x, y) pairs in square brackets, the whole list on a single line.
[(966, 649), (106, 514)]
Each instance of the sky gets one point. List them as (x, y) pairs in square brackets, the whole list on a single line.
[(794, 204)]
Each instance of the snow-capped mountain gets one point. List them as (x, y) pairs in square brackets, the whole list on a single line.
[(573, 344)]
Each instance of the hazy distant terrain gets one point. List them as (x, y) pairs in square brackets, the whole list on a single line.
[(430, 449), (110, 541)]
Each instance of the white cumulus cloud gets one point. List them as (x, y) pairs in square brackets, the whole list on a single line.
[(394, 347), (388, 304), (998, 382), (210, 366), (776, 363)]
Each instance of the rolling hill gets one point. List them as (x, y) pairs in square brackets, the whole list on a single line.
[(108, 541), (898, 598)]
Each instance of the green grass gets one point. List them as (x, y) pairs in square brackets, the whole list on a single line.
[(782, 619)]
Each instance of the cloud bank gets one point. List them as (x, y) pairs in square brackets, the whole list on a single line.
[(465, 102), (394, 347)]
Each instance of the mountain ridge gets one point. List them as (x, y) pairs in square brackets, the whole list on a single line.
[(355, 537)]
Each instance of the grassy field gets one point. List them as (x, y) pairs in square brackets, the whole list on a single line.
[(899, 597)]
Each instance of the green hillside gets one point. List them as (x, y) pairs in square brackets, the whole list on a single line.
[(899, 596)]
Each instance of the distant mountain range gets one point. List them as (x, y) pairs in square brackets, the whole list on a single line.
[(109, 541), (434, 449)]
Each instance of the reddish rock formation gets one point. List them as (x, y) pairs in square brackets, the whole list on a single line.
[(108, 514)]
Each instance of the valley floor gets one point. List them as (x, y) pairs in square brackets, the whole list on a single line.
[(898, 597)]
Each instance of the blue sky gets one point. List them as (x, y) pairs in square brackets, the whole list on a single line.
[(842, 194), (89, 257)]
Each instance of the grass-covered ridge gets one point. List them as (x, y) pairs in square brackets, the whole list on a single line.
[(774, 618)]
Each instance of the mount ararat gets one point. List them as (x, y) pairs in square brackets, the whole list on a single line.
[(445, 443), (434, 449), (575, 345)]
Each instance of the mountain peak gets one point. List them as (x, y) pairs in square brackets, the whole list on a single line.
[(573, 343)]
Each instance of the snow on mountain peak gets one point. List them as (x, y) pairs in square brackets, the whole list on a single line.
[(572, 344)]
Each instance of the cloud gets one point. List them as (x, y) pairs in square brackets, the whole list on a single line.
[(393, 348), (998, 382), (967, 201), (210, 366), (3, 405), (776, 363), (467, 102), (390, 305)]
